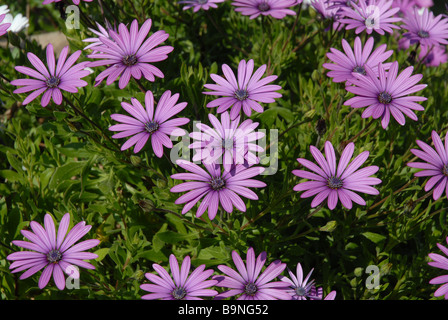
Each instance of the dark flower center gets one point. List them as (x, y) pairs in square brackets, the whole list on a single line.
[(241, 94), (129, 60), (360, 69), (445, 170), (54, 256), (370, 22), (227, 143), (301, 291), (179, 293), (250, 289), (384, 97), (264, 7), (334, 183), (217, 183), (52, 82), (423, 34), (202, 1), (151, 126)]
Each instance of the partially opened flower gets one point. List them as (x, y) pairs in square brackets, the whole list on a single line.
[(369, 16), (433, 56), (355, 60), (435, 165), (50, 80), (181, 285), (56, 253), (329, 10), (216, 186), (249, 282), (228, 142), (440, 262), (406, 7), (426, 29), (387, 94), (3, 26), (199, 4), (276, 8), (300, 288), (336, 181), (245, 93), (148, 123), (128, 56)]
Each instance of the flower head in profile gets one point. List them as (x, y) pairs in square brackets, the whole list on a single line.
[(244, 92), (369, 16), (387, 94), (50, 80), (275, 8), (426, 29), (355, 60), (433, 56), (228, 142), (56, 253), (249, 282), (182, 285), (440, 262), (435, 165), (336, 181), (146, 123), (77, 2), (300, 288), (4, 26), (199, 4), (128, 54), (216, 186)]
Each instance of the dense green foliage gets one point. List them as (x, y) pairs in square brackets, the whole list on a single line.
[(52, 160)]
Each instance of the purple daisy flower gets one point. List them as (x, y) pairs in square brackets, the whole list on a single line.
[(63, 76), (387, 94), (216, 186), (329, 10), (436, 165), (355, 60), (440, 262), (275, 8), (54, 252), (5, 26), (336, 181), (186, 285), (249, 282), (299, 288), (425, 28), (372, 15), (128, 55), (228, 143), (147, 123), (199, 4), (245, 93), (77, 2)]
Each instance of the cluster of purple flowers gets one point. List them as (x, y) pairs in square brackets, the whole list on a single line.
[(247, 282), (377, 85)]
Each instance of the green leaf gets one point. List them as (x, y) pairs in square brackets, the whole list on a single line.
[(374, 237), (65, 172), (174, 237), (102, 253)]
